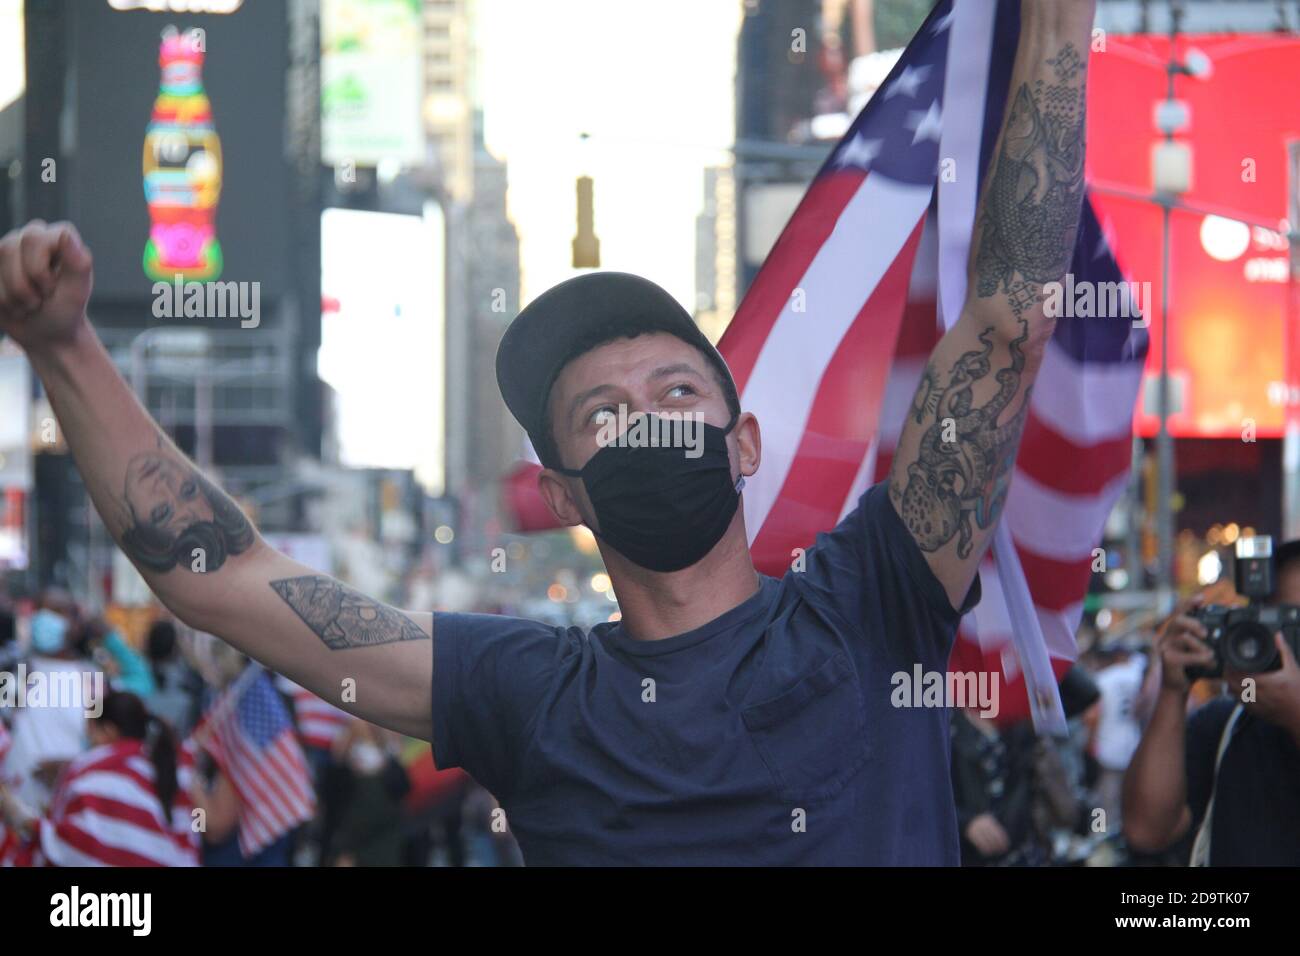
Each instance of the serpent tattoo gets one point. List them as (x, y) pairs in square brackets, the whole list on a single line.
[(962, 472), (173, 515), (343, 617)]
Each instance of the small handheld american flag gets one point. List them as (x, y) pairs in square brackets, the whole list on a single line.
[(249, 733)]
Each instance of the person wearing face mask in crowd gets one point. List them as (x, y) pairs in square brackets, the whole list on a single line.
[(727, 717), (49, 733), (368, 783)]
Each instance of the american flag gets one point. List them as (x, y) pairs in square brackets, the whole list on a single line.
[(251, 737), (319, 722), (105, 812), (828, 346)]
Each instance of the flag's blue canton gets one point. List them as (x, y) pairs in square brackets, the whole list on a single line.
[(897, 134), (262, 714), (1101, 339)]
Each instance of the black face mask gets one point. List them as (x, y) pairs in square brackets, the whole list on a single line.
[(657, 507)]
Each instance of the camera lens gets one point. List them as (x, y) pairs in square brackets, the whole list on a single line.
[(1248, 647)]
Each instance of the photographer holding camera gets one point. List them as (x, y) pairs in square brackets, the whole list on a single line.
[(1225, 781)]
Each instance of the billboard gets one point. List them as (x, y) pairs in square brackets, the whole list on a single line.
[(383, 335), (15, 454), (177, 161), (371, 82), (1229, 287)]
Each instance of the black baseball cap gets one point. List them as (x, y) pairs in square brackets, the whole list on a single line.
[(572, 318)]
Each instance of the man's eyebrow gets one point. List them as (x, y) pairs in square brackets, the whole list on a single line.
[(583, 397), (678, 369)]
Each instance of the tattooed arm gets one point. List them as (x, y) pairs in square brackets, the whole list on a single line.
[(954, 460), (195, 548)]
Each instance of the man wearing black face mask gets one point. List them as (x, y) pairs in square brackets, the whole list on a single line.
[(728, 717)]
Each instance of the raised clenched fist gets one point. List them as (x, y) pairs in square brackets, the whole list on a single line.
[(45, 281)]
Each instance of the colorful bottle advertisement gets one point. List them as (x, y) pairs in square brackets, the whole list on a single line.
[(182, 167)]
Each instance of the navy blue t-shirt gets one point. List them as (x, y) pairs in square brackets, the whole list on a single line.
[(1258, 792), (766, 736)]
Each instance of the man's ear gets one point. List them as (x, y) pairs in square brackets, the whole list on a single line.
[(749, 443), (555, 491)]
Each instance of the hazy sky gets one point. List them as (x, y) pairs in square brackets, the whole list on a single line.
[(653, 83)]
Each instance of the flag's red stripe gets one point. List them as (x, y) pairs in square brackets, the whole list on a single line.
[(919, 332), (257, 799), (117, 810), (783, 270), (1058, 463), (884, 462), (286, 756), (1013, 702), (79, 839), (840, 423), (1054, 584), (265, 776)]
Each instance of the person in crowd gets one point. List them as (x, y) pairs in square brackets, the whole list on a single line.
[(125, 668), (46, 737), (10, 652), (373, 785), (1224, 783), (216, 795), (124, 802), (433, 810), (991, 786), (1012, 787), (1117, 731), (177, 686), (1011, 791)]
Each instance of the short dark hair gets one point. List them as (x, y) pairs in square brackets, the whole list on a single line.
[(160, 644), (545, 445)]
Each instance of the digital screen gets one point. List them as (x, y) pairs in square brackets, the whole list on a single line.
[(194, 180), (1228, 286)]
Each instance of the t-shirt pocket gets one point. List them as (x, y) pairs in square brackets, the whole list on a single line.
[(812, 737)]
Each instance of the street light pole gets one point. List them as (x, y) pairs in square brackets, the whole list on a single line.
[(1291, 356), (1168, 195)]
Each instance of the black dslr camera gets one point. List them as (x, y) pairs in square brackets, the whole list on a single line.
[(1242, 637)]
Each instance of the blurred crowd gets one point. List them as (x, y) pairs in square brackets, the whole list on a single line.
[(115, 751), (1162, 766), (118, 751)]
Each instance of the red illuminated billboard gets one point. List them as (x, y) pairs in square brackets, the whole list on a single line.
[(1228, 281)]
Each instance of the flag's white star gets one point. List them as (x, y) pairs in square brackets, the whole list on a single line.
[(944, 22), (927, 125), (858, 151), (908, 81)]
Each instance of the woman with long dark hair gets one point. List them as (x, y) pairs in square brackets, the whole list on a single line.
[(125, 802)]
